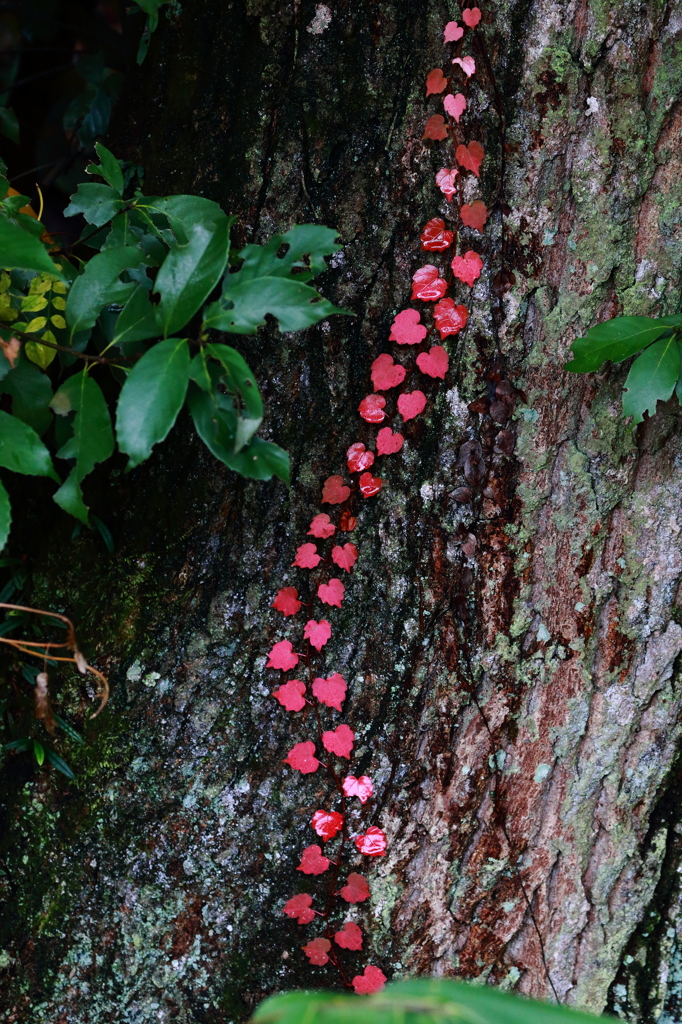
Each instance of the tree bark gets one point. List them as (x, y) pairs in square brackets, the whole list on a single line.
[(518, 704)]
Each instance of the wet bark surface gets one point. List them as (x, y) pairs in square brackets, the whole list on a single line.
[(512, 660)]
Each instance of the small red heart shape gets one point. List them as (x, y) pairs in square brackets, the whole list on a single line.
[(387, 442), (334, 491), (358, 458), (370, 485), (411, 403), (371, 408), (471, 16), (435, 362), (386, 374)]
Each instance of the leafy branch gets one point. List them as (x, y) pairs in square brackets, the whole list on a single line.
[(157, 263)]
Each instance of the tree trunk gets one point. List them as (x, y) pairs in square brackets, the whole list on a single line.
[(517, 702)]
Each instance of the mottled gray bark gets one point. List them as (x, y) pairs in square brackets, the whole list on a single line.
[(151, 888)]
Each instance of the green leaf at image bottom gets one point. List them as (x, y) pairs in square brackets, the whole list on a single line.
[(151, 398), (651, 379), (216, 422), (5, 516), (420, 1001)]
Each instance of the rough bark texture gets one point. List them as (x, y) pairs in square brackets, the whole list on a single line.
[(151, 888)]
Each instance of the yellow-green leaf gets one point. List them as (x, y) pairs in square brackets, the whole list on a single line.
[(36, 325), (59, 303), (33, 303), (58, 321), (39, 354)]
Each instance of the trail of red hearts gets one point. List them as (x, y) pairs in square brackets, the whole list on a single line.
[(315, 696)]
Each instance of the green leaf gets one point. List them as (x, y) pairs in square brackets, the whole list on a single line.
[(58, 762), (92, 440), (243, 305), (20, 248), (303, 240), (190, 272), (22, 451), (99, 286), (651, 379), (617, 339), (240, 381), (31, 394), (182, 212), (421, 1001), (97, 203), (216, 424), (137, 320), (39, 751), (68, 729), (110, 168), (151, 398), (5, 516)]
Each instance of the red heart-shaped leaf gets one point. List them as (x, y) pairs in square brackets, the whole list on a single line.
[(290, 695), (445, 180), (467, 267), (387, 374), (387, 442), (435, 82), (452, 32), (411, 403), (369, 485), (349, 937), (435, 362), (358, 458), (427, 284), (371, 408), (334, 491), (470, 156), (455, 105), (435, 128), (471, 16), (286, 601), (330, 691), (406, 328), (474, 215), (450, 319), (434, 238)]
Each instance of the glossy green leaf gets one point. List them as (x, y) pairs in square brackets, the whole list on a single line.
[(616, 340), (99, 286), (39, 751), (243, 305), (58, 762), (92, 440), (5, 516), (190, 272), (422, 1001), (22, 451), (109, 169), (216, 424), (31, 394), (651, 379), (137, 320), (239, 381), (97, 203), (151, 398), (306, 246), (22, 249), (182, 212)]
